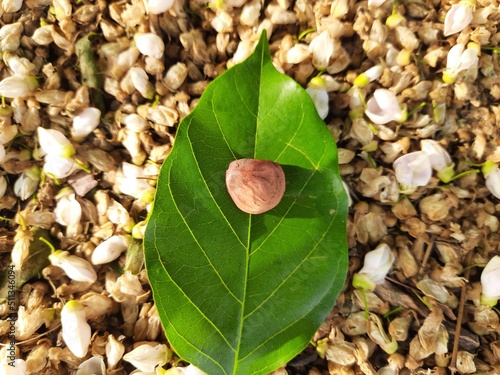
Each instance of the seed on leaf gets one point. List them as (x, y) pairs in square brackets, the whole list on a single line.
[(256, 186)]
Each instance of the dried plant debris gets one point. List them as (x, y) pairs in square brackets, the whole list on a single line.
[(92, 92)]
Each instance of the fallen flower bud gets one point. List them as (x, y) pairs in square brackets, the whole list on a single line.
[(85, 123), (412, 170), (490, 282), (159, 6), (55, 143), (439, 158), (459, 16), (27, 183), (110, 249), (376, 265), (146, 357), (384, 107), (76, 332), (491, 173), (150, 44), (458, 60), (76, 268), (317, 91)]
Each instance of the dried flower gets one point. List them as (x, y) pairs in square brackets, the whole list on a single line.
[(412, 170), (140, 80), (317, 91), (384, 107), (18, 87), (85, 123), (55, 143), (459, 16), (439, 158), (322, 48), (110, 249), (76, 268), (7, 134), (459, 59), (92, 366), (146, 357), (490, 282), (376, 332), (20, 66), (11, 6), (3, 186), (21, 248), (27, 183), (159, 6), (150, 44), (377, 264), (114, 351), (491, 173), (76, 331)]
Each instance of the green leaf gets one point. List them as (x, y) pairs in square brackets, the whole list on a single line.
[(240, 293)]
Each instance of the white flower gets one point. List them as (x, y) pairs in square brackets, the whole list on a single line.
[(375, 3), (59, 167), (377, 264), (27, 183), (17, 368), (120, 216), (384, 107), (322, 48), (85, 123), (55, 143), (369, 75), (3, 186), (110, 249), (439, 158), (76, 268), (136, 123), (150, 44), (18, 87), (317, 91), (140, 80), (459, 59), (68, 211), (412, 170), (490, 282), (131, 180), (146, 357), (92, 366), (491, 173), (459, 16), (159, 6), (76, 331), (356, 102)]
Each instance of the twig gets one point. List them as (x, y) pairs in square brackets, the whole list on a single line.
[(458, 326)]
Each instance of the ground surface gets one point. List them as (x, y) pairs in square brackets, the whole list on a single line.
[(442, 234)]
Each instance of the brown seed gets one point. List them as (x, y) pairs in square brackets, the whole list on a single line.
[(256, 186)]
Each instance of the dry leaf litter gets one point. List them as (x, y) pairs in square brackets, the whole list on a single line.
[(79, 162)]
